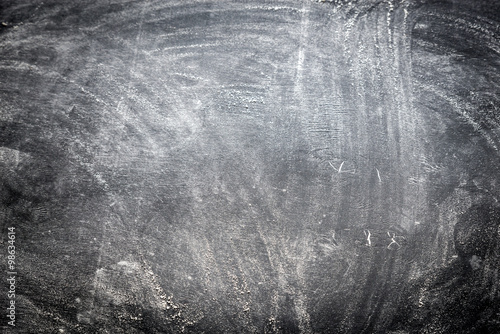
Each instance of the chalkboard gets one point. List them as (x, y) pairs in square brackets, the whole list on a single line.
[(287, 166)]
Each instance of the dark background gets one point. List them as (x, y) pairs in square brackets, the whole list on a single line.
[(218, 166)]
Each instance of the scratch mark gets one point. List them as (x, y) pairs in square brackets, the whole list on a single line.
[(334, 240), (181, 47), (368, 237), (333, 166), (393, 241), (378, 175), (339, 170)]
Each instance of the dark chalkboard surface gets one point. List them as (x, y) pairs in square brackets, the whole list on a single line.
[(250, 166)]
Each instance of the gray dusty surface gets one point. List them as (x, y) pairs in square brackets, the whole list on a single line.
[(251, 166)]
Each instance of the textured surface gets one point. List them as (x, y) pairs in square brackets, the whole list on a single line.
[(252, 166)]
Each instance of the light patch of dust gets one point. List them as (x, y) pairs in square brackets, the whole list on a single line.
[(11, 158), (449, 213)]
